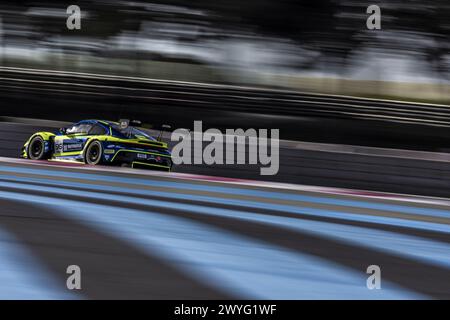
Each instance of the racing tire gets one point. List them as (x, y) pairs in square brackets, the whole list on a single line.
[(36, 149), (94, 153)]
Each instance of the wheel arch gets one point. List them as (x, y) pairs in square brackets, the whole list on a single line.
[(89, 142), (46, 136)]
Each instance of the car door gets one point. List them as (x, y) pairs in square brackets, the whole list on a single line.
[(76, 139), (72, 143)]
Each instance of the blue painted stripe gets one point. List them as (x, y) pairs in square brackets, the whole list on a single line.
[(243, 266), (408, 246), (240, 191), (301, 211), (23, 277)]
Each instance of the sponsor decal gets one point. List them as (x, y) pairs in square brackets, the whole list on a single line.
[(74, 146)]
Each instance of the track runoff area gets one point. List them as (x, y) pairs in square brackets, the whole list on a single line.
[(138, 234)]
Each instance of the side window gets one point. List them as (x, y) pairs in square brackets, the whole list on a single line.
[(79, 128), (84, 128), (73, 129), (97, 130)]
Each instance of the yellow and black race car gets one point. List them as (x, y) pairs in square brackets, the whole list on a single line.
[(97, 142)]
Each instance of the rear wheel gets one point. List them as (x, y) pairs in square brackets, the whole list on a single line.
[(36, 149), (94, 153)]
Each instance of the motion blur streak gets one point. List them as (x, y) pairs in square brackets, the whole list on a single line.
[(21, 275), (235, 191), (363, 117), (434, 252), (415, 213), (225, 260), (216, 235)]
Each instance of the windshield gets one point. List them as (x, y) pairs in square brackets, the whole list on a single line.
[(132, 132)]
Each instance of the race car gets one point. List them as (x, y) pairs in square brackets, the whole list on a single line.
[(97, 142)]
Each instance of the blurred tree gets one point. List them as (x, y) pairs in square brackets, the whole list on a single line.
[(335, 29)]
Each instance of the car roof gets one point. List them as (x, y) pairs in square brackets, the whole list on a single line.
[(95, 121)]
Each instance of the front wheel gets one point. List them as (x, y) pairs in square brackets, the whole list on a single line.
[(36, 149), (94, 152)]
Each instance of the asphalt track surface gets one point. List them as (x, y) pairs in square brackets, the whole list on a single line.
[(342, 166), (146, 235)]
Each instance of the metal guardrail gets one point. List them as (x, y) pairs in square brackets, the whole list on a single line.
[(71, 96), (223, 97)]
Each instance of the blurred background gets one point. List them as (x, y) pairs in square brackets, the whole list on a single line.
[(312, 69), (362, 114), (318, 46)]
